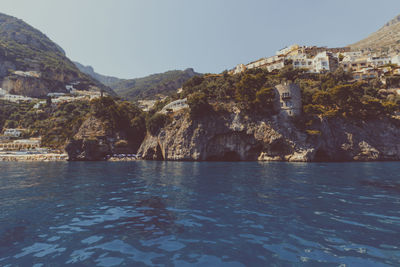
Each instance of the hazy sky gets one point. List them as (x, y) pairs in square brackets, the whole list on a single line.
[(131, 38)]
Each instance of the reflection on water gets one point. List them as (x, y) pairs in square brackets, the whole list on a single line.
[(198, 213)]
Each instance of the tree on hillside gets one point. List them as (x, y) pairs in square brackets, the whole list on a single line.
[(198, 105), (322, 98), (348, 97), (156, 122), (265, 98), (247, 87)]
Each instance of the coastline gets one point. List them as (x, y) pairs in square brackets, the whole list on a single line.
[(34, 157), (54, 157)]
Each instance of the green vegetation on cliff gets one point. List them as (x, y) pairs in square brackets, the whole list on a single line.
[(58, 124), (327, 95), (163, 84)]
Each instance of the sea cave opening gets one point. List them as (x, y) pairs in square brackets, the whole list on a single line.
[(227, 156)]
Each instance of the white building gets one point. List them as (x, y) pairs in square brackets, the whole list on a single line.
[(276, 65), (239, 69), (175, 106), (69, 87), (321, 62), (395, 60), (301, 61), (12, 133), (16, 98), (378, 61)]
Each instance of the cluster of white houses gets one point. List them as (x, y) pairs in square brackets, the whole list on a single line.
[(72, 95), (363, 65)]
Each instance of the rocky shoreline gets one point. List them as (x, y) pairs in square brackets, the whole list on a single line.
[(37, 157)]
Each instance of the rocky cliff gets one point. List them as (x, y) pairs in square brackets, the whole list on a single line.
[(94, 141), (88, 144), (234, 136)]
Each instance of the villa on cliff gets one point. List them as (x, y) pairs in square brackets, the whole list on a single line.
[(288, 99)]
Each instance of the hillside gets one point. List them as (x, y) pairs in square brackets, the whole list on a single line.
[(24, 48), (156, 84), (386, 39), (149, 87)]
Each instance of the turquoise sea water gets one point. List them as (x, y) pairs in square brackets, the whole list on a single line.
[(199, 214)]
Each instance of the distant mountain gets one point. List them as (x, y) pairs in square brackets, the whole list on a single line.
[(386, 39), (148, 87), (24, 49), (156, 84), (106, 80)]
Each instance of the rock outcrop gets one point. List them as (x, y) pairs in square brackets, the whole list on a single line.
[(233, 136), (87, 150), (90, 143), (95, 142)]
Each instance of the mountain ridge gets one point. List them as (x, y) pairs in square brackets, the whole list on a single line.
[(148, 87), (89, 70), (386, 39), (25, 48)]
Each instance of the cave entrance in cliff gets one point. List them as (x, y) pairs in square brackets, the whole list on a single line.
[(159, 154), (321, 156), (227, 156)]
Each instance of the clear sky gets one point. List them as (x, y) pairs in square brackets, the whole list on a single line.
[(132, 38)]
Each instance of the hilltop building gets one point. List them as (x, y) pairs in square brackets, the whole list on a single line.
[(12, 132), (288, 99), (313, 59)]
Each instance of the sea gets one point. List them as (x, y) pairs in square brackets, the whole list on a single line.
[(155, 213)]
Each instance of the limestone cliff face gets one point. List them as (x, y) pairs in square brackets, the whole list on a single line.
[(94, 141), (87, 150), (27, 86), (88, 143), (233, 136)]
